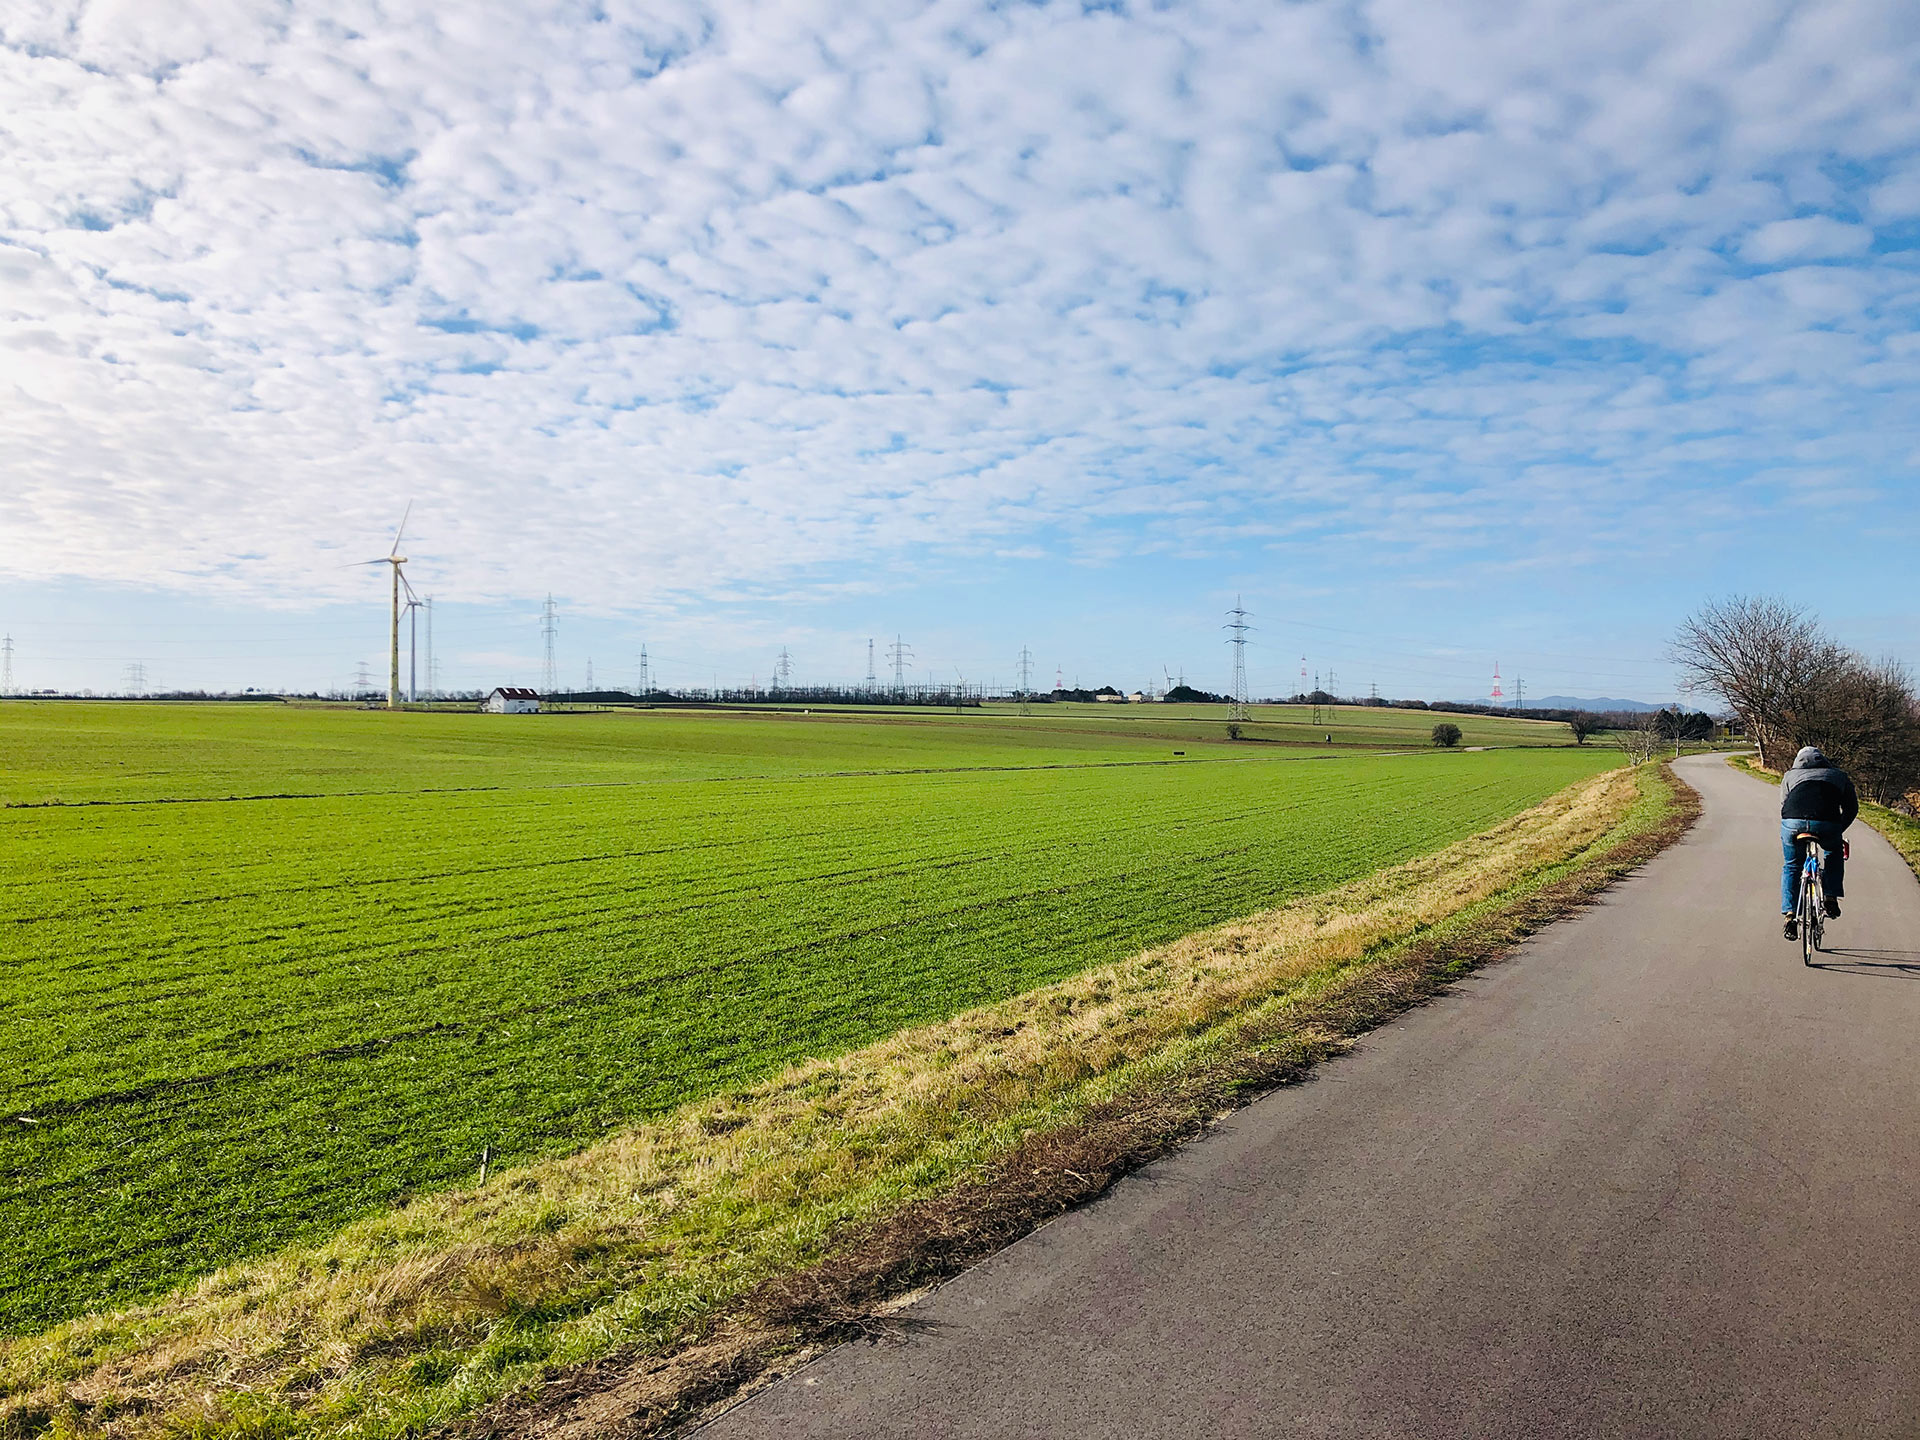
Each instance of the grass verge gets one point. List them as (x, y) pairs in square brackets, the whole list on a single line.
[(1902, 831), (621, 1290)]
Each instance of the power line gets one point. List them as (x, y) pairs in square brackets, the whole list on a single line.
[(6, 666), (1026, 681), (783, 671), (873, 681), (645, 685)]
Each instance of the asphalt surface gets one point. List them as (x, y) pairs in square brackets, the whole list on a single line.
[(1651, 1176)]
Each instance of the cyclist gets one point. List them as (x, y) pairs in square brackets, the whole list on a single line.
[(1817, 799)]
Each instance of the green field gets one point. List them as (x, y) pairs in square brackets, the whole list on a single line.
[(237, 1023), (52, 751)]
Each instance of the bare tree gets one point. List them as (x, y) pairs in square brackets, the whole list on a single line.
[(1768, 660), (1791, 685), (1868, 720), (1637, 734)]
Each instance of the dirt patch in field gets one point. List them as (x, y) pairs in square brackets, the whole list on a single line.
[(878, 1267)]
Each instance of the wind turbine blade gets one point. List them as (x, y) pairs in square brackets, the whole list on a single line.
[(400, 534)]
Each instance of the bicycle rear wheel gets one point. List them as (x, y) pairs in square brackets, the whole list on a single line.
[(1810, 914)]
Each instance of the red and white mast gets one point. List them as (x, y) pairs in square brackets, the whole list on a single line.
[(1499, 697)]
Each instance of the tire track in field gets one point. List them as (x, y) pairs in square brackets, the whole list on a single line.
[(846, 840), (465, 872), (797, 777)]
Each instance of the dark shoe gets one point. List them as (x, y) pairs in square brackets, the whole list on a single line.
[(1833, 908), (1792, 928)]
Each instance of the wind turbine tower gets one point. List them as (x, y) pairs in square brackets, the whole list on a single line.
[(549, 626), (394, 558), (413, 646)]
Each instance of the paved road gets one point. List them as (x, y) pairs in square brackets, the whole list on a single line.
[(1650, 1177)]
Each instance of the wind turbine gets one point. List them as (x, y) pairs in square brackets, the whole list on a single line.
[(394, 558), (413, 603)]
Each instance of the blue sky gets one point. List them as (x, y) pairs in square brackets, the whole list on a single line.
[(1445, 335)]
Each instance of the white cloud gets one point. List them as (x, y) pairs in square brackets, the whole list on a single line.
[(1812, 237), (649, 301)]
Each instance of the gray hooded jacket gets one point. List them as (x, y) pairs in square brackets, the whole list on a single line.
[(1817, 789)]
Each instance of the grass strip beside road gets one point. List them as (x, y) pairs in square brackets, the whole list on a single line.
[(687, 1253), (1902, 831)]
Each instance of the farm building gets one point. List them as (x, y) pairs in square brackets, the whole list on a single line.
[(512, 700)]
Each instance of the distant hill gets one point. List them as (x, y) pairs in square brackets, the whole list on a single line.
[(1570, 702)]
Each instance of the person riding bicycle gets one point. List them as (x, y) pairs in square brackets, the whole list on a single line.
[(1817, 799)]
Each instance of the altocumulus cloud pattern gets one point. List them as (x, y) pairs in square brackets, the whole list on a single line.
[(725, 294)]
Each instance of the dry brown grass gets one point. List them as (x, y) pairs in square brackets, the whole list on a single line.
[(639, 1245)]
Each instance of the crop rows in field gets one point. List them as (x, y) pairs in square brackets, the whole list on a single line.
[(244, 1023)]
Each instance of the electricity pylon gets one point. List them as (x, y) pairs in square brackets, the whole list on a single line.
[(901, 654), (1237, 627)]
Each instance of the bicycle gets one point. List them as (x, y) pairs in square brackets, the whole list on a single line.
[(1812, 909)]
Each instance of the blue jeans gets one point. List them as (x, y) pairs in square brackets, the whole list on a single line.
[(1828, 833)]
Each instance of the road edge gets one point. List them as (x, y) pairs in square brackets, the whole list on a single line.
[(1902, 833), (878, 1267)]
